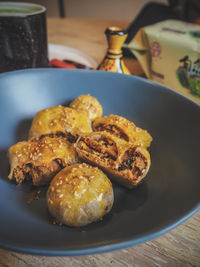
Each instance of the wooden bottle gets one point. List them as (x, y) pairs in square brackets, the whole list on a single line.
[(113, 60)]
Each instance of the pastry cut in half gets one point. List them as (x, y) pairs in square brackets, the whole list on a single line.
[(79, 194), (39, 160), (126, 163), (122, 128), (89, 105), (59, 120)]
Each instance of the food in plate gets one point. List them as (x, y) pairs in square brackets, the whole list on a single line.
[(89, 105), (74, 149), (59, 120), (79, 194), (123, 128), (39, 160), (125, 162)]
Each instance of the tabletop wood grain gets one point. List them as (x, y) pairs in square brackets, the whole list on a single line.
[(180, 246)]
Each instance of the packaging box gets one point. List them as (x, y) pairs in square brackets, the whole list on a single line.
[(169, 52)]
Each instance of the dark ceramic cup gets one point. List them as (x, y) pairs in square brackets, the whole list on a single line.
[(23, 37)]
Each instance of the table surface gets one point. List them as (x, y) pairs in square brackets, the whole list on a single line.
[(180, 246)]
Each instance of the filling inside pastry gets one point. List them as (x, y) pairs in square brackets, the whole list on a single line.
[(133, 162), (40, 159), (39, 175), (71, 138), (112, 129), (100, 147)]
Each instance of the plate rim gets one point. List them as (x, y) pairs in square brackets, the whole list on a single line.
[(105, 248), (132, 76)]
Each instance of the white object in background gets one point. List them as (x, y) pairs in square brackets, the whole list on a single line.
[(66, 52)]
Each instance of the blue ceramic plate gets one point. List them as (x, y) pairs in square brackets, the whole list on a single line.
[(168, 196)]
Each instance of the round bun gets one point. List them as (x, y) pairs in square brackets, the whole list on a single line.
[(79, 194), (89, 105)]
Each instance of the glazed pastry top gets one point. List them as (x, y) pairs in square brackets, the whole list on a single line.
[(88, 105), (79, 190), (41, 152), (123, 128), (59, 119)]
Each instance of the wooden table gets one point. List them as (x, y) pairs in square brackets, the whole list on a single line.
[(179, 247)]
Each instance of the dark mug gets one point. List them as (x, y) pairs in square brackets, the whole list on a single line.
[(23, 37)]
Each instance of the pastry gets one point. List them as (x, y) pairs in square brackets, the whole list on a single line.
[(126, 163), (89, 105), (79, 194), (123, 128), (59, 120), (39, 160)]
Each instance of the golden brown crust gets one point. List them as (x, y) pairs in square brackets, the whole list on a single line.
[(79, 194), (128, 164), (40, 159), (122, 128), (88, 105), (59, 120)]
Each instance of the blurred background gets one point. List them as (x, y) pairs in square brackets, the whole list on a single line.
[(126, 10), (113, 9)]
